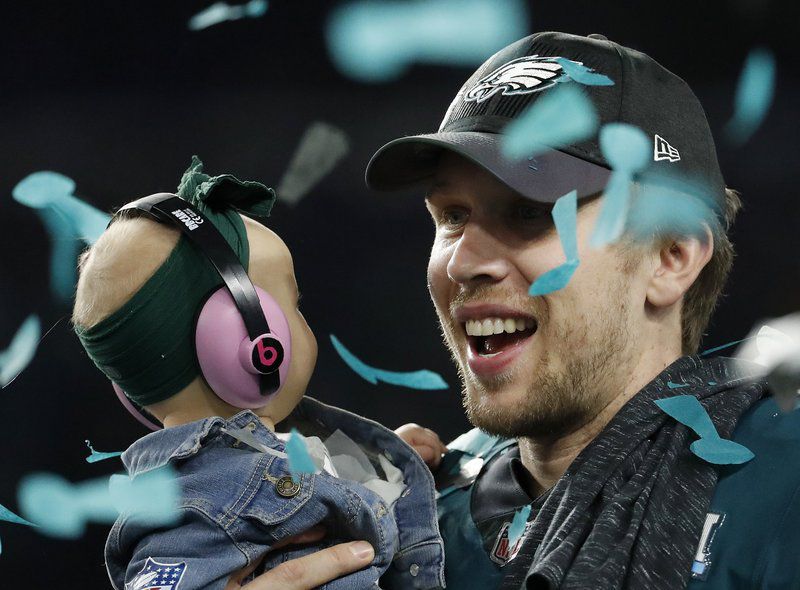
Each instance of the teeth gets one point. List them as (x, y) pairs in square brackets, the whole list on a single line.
[(490, 326)]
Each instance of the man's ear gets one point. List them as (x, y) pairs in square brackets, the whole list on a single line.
[(679, 264)]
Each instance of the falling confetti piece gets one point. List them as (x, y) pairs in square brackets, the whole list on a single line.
[(297, 453), (687, 410), (724, 346), (68, 220), (775, 348), (668, 204), (422, 379), (720, 451), (583, 75), (672, 385), (149, 498), (517, 526), (565, 216), (562, 116), (8, 516), (554, 279), (321, 148), (376, 41), (626, 148), (754, 95), (62, 509), (51, 190), (99, 455), (220, 12), (21, 351)]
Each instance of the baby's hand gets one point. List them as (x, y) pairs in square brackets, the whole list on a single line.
[(425, 441)]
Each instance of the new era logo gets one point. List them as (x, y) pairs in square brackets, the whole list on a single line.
[(663, 151)]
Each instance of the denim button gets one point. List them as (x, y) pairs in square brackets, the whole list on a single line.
[(414, 569), (251, 426), (287, 487)]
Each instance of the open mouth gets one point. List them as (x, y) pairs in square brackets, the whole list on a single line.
[(489, 337)]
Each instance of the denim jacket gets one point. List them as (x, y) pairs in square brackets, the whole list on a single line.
[(237, 502)]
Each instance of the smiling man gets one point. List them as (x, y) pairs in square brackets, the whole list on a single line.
[(586, 481)]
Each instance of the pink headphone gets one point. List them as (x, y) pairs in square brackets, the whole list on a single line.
[(243, 357)]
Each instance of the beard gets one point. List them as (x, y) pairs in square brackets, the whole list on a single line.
[(594, 351)]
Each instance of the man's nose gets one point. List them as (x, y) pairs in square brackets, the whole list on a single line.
[(477, 256)]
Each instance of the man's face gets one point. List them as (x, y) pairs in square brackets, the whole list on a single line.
[(530, 366)]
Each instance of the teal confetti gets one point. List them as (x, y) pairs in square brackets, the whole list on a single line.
[(627, 149), (672, 385), (99, 455), (687, 410), (297, 454), (582, 74), (21, 351), (724, 346), (668, 204), (220, 12), (422, 379), (562, 116), (8, 516), (712, 382), (68, 221), (720, 451), (565, 216), (554, 279), (51, 190), (517, 527), (376, 41), (690, 412), (150, 498), (754, 95), (62, 509)]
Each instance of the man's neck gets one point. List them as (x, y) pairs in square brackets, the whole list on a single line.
[(548, 458)]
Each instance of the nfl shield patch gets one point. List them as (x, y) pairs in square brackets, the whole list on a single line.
[(503, 551), (157, 576)]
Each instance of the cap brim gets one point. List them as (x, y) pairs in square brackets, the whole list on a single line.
[(410, 160)]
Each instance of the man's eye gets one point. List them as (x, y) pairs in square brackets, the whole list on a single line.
[(527, 212), (453, 216)]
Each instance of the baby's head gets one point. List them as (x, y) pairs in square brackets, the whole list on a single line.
[(141, 286)]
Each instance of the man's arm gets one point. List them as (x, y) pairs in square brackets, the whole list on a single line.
[(310, 571)]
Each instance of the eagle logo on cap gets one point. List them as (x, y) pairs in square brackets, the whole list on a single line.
[(520, 76)]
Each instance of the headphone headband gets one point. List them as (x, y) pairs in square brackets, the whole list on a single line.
[(179, 213)]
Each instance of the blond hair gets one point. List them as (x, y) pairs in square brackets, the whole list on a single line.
[(125, 256)]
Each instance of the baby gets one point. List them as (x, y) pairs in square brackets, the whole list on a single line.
[(145, 314)]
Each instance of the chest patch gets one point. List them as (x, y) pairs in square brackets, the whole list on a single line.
[(503, 551), (702, 559)]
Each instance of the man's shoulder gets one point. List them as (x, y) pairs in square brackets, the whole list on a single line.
[(754, 519)]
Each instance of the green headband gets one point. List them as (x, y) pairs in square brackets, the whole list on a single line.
[(147, 346)]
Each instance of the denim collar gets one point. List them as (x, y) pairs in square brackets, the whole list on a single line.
[(178, 442)]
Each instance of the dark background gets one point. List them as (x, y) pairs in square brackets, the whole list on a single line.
[(119, 95)]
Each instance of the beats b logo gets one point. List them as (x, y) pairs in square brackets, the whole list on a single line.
[(267, 355)]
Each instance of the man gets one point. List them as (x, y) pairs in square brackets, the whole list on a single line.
[(618, 495)]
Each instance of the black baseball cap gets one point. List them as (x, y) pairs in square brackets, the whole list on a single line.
[(644, 94)]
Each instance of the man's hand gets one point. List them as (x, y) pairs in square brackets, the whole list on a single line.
[(309, 571), (425, 441)]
